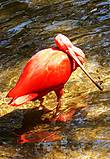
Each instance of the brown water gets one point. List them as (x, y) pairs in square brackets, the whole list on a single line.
[(27, 26)]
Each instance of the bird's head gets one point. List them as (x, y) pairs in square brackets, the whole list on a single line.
[(64, 44)]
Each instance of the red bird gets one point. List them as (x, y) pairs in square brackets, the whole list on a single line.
[(48, 70)]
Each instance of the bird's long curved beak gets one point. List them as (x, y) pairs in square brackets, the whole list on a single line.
[(66, 45), (73, 55)]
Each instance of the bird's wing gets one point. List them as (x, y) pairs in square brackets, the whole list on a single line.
[(44, 70)]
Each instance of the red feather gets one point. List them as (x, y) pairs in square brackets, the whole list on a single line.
[(45, 71)]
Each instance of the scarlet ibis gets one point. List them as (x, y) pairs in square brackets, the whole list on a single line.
[(48, 70)]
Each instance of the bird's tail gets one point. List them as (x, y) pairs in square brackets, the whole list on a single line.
[(22, 99)]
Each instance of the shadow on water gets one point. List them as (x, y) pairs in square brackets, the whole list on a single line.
[(88, 130), (18, 122), (27, 26)]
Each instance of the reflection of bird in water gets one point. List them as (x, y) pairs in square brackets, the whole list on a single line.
[(48, 70)]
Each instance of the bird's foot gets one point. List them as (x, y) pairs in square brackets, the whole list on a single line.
[(46, 110), (63, 116)]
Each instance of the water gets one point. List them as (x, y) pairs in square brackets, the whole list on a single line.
[(27, 26)]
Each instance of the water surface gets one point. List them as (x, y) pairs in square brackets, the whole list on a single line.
[(29, 25)]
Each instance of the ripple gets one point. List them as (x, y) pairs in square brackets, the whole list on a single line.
[(19, 27)]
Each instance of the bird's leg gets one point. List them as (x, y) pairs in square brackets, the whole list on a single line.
[(42, 107), (41, 103), (59, 93)]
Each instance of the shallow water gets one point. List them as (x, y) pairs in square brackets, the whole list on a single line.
[(27, 26)]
